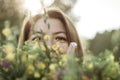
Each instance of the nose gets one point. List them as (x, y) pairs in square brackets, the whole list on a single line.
[(49, 42)]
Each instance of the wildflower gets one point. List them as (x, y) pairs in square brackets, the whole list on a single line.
[(35, 44), (42, 47), (62, 64), (10, 57), (53, 55), (55, 47), (6, 31), (64, 57), (32, 56), (111, 57), (46, 37), (23, 57), (89, 66), (37, 75), (6, 69), (40, 65), (52, 67), (44, 78), (61, 50), (30, 69), (5, 64), (8, 48)]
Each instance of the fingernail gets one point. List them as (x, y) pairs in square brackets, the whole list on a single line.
[(73, 44)]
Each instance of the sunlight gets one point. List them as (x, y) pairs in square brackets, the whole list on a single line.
[(33, 6), (48, 2)]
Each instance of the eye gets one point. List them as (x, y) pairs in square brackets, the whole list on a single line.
[(37, 37), (61, 39)]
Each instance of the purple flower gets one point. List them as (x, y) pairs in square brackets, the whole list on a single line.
[(5, 64), (58, 75)]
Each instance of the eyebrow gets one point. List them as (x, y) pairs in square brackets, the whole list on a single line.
[(53, 33), (60, 32), (40, 32)]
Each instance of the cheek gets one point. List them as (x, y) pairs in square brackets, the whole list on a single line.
[(64, 47)]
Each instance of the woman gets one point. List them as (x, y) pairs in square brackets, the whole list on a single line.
[(61, 30)]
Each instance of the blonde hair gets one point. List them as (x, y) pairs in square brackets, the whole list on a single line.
[(72, 34)]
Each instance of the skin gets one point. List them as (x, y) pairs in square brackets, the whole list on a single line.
[(56, 33), (71, 33)]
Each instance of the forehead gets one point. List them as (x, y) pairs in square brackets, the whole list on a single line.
[(55, 25)]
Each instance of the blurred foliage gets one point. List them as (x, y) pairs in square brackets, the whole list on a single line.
[(102, 67), (9, 34), (109, 40), (11, 10)]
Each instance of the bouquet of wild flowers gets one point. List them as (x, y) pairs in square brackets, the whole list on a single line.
[(32, 61), (41, 62)]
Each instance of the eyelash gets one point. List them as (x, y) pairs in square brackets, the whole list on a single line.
[(37, 37), (61, 39), (58, 38)]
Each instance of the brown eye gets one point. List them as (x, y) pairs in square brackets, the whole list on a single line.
[(61, 39)]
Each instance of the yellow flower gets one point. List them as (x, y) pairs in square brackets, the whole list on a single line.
[(35, 44), (37, 75), (90, 66), (52, 67), (42, 47), (46, 37), (6, 69), (62, 64), (24, 58), (8, 48), (40, 65), (64, 57), (55, 47), (44, 78), (32, 56), (61, 50), (53, 55), (10, 57), (6, 31), (111, 57), (30, 69)]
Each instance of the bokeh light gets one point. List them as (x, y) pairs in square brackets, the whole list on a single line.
[(32, 5)]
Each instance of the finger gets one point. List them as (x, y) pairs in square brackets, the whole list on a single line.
[(72, 47)]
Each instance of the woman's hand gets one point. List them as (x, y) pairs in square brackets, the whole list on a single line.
[(72, 47)]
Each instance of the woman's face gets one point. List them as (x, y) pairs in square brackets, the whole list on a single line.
[(56, 33)]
